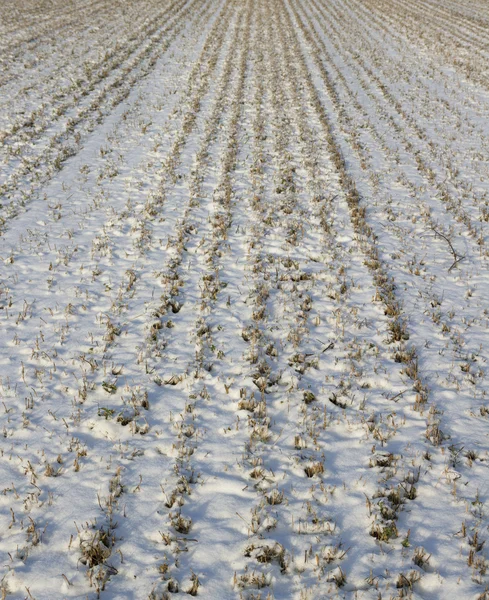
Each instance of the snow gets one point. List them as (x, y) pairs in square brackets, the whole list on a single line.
[(243, 299)]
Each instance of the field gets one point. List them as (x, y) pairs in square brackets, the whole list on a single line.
[(244, 299)]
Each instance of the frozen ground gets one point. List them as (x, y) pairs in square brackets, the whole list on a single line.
[(244, 299)]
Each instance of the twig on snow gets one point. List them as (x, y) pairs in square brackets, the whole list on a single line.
[(457, 257)]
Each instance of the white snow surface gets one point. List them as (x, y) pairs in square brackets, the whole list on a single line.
[(244, 299)]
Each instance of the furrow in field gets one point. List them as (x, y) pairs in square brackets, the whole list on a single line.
[(474, 13), (473, 259), (443, 47), (35, 72), (40, 75), (73, 69), (268, 550), (479, 10), (430, 66), (421, 89), (389, 428), (25, 26), (99, 186), (176, 367), (407, 141), (456, 26), (93, 359), (284, 458), (428, 363), (43, 31), (64, 142)]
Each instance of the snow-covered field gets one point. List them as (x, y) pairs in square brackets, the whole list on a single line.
[(244, 299)]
